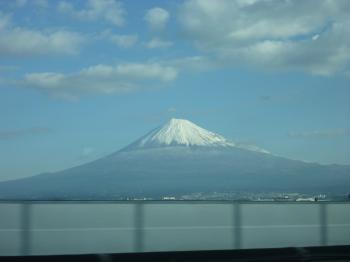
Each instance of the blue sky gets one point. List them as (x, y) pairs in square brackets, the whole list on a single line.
[(82, 79)]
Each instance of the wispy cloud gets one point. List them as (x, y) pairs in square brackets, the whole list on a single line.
[(21, 41), (320, 133), (157, 42), (112, 79), (101, 78), (157, 18), (124, 40), (110, 11), (18, 133), (121, 40)]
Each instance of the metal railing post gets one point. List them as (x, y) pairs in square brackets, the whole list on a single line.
[(323, 225), (25, 229), (139, 227), (237, 225)]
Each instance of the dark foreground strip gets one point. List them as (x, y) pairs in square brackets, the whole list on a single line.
[(332, 253)]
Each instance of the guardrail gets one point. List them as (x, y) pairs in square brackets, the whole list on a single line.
[(85, 227)]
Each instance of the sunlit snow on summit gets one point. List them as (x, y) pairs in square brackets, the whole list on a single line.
[(182, 132)]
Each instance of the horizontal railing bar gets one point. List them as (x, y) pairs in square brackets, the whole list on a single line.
[(223, 202), (173, 227)]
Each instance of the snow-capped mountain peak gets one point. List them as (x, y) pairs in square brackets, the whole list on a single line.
[(181, 132)]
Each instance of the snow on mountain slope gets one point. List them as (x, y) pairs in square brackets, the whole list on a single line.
[(181, 132)]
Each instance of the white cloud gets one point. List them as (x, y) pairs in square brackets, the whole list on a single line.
[(124, 41), (45, 80), (315, 37), (158, 43), (101, 79), (157, 18), (109, 10), (272, 34), (23, 41), (20, 41)]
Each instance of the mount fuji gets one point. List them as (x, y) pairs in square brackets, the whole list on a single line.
[(180, 158)]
